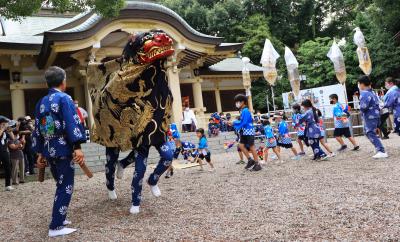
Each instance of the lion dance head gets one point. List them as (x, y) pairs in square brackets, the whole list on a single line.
[(148, 47)]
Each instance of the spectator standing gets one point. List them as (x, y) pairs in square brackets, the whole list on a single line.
[(83, 115), (4, 153), (392, 101), (189, 122), (16, 145), (26, 128)]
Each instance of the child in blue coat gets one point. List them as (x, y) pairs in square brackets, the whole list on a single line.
[(298, 127), (202, 149), (313, 132), (284, 139), (270, 142), (246, 131), (369, 107), (342, 123)]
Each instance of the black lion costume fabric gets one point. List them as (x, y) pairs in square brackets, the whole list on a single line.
[(132, 102)]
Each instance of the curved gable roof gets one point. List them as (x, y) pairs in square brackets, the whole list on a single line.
[(133, 10)]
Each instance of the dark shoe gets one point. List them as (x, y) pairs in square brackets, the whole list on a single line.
[(172, 172), (257, 167), (356, 148), (385, 137), (240, 162), (250, 164), (342, 148)]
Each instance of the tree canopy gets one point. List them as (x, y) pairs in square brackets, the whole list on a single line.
[(308, 27), (16, 9)]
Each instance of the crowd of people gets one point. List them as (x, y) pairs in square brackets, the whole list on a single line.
[(16, 154), (58, 132)]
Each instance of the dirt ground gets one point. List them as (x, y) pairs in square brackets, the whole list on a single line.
[(349, 197)]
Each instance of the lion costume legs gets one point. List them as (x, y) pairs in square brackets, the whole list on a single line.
[(112, 155), (139, 156)]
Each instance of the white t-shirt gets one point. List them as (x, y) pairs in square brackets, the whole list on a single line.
[(189, 117)]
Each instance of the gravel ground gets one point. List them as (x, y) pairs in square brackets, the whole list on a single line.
[(349, 197)]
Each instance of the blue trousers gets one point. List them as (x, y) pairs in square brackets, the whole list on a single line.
[(139, 156), (318, 152), (397, 125), (370, 126), (63, 172), (177, 151), (112, 155)]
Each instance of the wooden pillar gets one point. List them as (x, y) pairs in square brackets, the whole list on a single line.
[(173, 78), (79, 95), (218, 100), (18, 103), (198, 96)]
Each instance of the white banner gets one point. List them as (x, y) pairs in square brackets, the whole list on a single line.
[(319, 96)]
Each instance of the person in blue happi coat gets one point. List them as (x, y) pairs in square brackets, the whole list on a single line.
[(392, 101), (244, 125), (57, 140), (341, 115), (312, 131), (174, 137), (296, 108), (369, 107), (270, 141)]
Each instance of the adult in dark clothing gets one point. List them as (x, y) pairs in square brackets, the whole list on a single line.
[(26, 128), (4, 153)]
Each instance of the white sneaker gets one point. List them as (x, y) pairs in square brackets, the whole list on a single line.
[(9, 188), (134, 209), (155, 190), (295, 157), (274, 157), (380, 155), (60, 232), (67, 222), (120, 171), (332, 154), (112, 195)]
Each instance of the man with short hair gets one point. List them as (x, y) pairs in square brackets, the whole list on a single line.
[(342, 125), (57, 140), (392, 101)]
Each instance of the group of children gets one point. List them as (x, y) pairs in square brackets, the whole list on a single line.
[(188, 150), (308, 123)]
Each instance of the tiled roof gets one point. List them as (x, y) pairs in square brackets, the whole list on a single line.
[(137, 5), (26, 30), (233, 65), (30, 26)]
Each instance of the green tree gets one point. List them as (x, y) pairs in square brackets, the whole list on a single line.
[(315, 64), (16, 9)]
